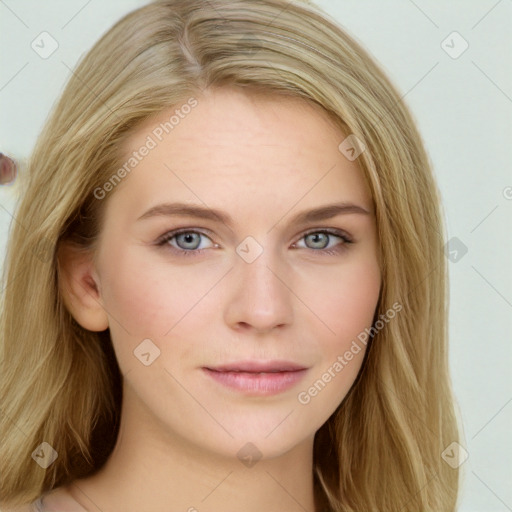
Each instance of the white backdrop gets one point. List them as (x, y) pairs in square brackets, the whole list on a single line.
[(451, 61)]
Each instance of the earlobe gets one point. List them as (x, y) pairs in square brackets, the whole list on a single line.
[(80, 289)]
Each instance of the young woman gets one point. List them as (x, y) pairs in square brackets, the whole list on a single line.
[(225, 286)]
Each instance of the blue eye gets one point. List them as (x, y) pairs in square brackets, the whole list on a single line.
[(319, 241), (187, 242), (188, 239)]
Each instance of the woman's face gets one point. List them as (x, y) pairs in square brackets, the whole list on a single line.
[(266, 285)]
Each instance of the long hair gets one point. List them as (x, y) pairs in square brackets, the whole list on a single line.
[(381, 449)]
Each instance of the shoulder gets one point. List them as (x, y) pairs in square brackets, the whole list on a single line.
[(21, 508), (61, 500), (57, 500)]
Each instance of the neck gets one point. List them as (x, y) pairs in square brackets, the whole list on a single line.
[(164, 471)]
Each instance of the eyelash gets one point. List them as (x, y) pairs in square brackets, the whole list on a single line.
[(164, 241)]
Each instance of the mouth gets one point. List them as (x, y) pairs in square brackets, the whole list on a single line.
[(258, 367), (258, 378)]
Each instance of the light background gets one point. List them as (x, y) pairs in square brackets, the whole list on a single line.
[(463, 107)]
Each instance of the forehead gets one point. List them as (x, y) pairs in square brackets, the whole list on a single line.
[(229, 116), (234, 143)]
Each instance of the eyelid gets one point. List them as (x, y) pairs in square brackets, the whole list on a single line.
[(331, 231), (169, 235)]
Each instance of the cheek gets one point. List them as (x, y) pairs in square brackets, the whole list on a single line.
[(148, 299), (346, 300), (133, 297), (346, 305)]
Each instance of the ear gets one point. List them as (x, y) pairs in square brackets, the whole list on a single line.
[(79, 286)]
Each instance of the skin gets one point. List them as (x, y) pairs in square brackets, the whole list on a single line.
[(261, 160)]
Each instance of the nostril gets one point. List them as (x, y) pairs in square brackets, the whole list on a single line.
[(7, 169)]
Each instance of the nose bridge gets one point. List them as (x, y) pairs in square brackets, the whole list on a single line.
[(259, 298)]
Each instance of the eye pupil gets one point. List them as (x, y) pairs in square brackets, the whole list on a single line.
[(188, 238), (321, 238)]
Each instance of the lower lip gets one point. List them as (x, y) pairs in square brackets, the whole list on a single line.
[(258, 384)]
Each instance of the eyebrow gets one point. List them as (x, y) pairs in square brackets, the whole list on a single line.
[(200, 212)]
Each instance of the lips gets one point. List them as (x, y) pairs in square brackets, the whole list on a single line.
[(257, 378), (258, 367)]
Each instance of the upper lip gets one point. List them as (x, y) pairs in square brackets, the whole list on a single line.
[(258, 366)]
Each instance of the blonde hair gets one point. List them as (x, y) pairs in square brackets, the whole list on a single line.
[(381, 449)]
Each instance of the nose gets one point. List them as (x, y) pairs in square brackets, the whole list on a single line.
[(260, 296)]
